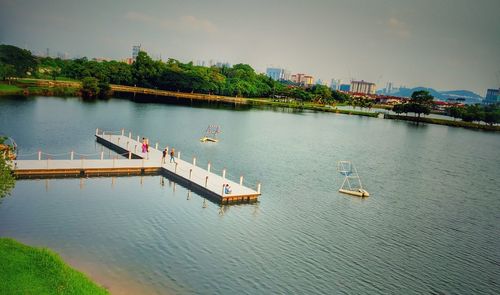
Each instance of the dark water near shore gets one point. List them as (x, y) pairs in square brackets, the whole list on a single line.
[(431, 225)]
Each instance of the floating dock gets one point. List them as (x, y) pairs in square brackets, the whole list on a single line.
[(134, 162)]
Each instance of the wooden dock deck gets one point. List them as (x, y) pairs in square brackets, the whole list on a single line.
[(200, 180)]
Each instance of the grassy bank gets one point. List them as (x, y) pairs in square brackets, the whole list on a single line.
[(28, 88), (28, 270), (7, 89), (307, 106), (463, 124)]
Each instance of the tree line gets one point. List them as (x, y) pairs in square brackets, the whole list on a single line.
[(489, 114), (421, 103), (239, 80)]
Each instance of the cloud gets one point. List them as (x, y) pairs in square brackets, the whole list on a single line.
[(187, 22), (397, 27), (198, 24)]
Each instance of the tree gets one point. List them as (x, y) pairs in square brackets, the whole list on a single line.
[(455, 112), (492, 114), (20, 59), (90, 87), (420, 102), (6, 71), (473, 113), (146, 72), (104, 89), (398, 108), (340, 96), (7, 180)]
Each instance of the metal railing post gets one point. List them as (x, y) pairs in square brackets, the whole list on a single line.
[(102, 155), (194, 161), (129, 155), (258, 187), (179, 155), (72, 155), (224, 173), (39, 155), (123, 131), (241, 180), (208, 169)]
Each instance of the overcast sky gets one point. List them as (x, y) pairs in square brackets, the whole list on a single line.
[(444, 44)]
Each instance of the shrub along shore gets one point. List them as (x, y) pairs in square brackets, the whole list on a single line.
[(463, 124), (29, 270)]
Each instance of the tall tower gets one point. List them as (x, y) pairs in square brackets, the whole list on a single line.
[(135, 51)]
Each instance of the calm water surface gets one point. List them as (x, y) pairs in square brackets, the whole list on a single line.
[(431, 225)]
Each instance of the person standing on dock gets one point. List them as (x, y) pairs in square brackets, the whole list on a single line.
[(143, 145), (172, 153), (147, 148), (164, 155)]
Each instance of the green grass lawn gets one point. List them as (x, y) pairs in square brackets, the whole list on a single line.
[(28, 270), (6, 88)]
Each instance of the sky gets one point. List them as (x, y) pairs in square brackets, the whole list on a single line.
[(442, 44)]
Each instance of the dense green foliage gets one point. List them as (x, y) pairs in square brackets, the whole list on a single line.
[(28, 270), (15, 61), (90, 87), (239, 80), (7, 180), (419, 103), (476, 113)]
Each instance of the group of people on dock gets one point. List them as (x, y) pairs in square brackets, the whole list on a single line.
[(164, 155)]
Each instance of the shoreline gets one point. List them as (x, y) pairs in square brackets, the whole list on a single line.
[(40, 87)]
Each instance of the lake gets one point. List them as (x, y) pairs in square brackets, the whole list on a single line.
[(431, 224)]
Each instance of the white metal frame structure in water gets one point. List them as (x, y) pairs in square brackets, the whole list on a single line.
[(212, 130), (352, 182)]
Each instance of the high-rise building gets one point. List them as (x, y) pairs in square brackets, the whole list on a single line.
[(320, 82), (389, 88), (135, 51), (302, 79), (286, 75), (345, 87), (492, 96), (308, 80), (363, 87), (278, 74), (334, 84), (297, 78)]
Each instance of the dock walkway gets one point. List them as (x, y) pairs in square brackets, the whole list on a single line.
[(194, 177)]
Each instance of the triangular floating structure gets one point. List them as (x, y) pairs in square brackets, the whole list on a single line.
[(352, 182)]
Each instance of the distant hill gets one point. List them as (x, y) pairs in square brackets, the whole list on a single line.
[(469, 96)]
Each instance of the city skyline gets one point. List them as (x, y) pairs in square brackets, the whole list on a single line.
[(446, 45)]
